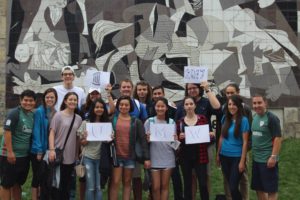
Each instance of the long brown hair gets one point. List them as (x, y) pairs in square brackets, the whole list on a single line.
[(149, 89), (237, 100), (64, 106), (49, 90)]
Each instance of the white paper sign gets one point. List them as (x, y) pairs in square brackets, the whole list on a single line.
[(193, 74), (96, 79), (99, 131), (197, 134), (162, 132)]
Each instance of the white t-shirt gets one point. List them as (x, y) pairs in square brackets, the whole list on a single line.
[(62, 91)]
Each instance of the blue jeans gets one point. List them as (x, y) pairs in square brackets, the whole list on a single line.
[(92, 176), (230, 168)]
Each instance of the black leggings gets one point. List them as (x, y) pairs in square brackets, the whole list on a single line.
[(201, 172), (36, 171)]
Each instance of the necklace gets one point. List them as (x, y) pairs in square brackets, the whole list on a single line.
[(191, 121)]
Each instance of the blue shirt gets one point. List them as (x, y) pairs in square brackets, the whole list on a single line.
[(40, 131), (139, 111), (232, 146)]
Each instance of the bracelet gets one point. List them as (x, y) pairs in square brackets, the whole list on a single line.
[(51, 149)]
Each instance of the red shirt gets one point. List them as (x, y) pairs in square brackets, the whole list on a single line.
[(122, 138)]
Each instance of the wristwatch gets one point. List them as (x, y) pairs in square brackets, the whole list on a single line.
[(275, 157)]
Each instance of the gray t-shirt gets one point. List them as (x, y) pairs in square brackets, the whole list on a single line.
[(162, 155), (61, 124), (92, 148)]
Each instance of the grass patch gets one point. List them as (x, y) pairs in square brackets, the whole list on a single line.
[(288, 168)]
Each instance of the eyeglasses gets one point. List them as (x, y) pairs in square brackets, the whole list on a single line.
[(68, 74)]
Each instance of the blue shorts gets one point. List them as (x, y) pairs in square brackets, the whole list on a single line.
[(263, 178), (129, 164)]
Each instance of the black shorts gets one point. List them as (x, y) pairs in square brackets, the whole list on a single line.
[(11, 174), (263, 178)]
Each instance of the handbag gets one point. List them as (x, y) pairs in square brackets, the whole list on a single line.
[(80, 168), (59, 153), (59, 156)]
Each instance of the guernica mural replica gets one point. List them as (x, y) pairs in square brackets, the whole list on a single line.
[(254, 43)]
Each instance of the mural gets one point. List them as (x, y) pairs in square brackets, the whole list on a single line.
[(251, 42)]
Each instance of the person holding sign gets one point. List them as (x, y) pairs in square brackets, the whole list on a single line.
[(91, 150), (233, 144), (162, 153), (204, 106), (157, 92), (129, 132), (95, 93), (193, 156)]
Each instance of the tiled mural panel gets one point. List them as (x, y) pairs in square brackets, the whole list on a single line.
[(253, 43)]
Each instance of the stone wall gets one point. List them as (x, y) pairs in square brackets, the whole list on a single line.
[(291, 127), (3, 33), (289, 121)]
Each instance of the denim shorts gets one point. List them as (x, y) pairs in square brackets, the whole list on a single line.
[(125, 163)]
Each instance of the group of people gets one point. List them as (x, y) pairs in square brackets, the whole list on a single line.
[(59, 126)]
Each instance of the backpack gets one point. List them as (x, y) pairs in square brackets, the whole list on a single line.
[(137, 103)]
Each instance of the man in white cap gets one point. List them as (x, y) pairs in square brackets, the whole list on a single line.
[(68, 76)]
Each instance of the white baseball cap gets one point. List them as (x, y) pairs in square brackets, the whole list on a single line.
[(67, 68), (94, 89)]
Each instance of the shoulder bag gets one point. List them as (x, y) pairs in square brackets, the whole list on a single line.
[(59, 153)]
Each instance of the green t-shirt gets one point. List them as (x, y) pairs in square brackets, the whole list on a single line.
[(20, 123), (264, 129)]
